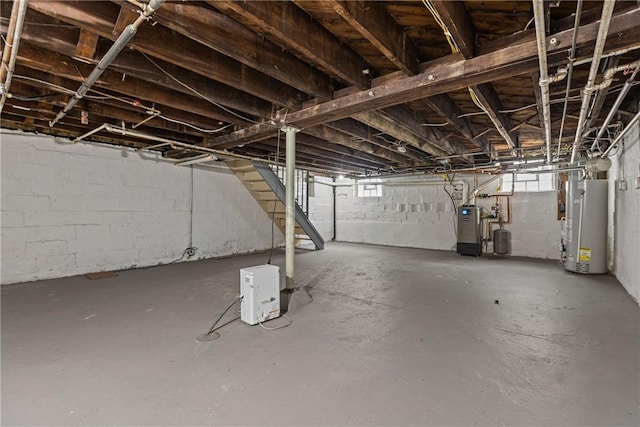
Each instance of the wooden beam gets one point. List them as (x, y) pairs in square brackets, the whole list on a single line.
[(134, 64), (100, 113), (223, 34), (391, 127), (458, 22), (338, 137), (87, 43), (446, 108), (174, 48), (363, 132), (374, 23), (285, 24), (488, 97), (407, 119), (537, 91), (41, 62), (448, 74), (315, 154), (455, 17), (126, 16), (601, 95), (63, 129), (316, 147)]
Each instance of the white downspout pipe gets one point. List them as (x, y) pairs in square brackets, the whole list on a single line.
[(122, 40), (605, 20), (12, 44), (290, 216), (538, 13)]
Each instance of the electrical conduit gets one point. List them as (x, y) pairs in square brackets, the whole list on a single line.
[(122, 40)]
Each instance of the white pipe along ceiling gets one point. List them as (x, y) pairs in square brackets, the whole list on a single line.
[(605, 21)]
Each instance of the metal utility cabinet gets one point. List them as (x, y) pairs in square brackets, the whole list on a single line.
[(469, 231)]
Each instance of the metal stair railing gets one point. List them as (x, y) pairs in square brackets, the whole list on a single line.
[(276, 185)]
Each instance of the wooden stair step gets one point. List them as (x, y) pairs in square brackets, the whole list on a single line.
[(239, 164), (252, 176), (258, 186)]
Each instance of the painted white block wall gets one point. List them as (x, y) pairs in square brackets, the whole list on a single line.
[(73, 209), (422, 216), (321, 208), (624, 242)]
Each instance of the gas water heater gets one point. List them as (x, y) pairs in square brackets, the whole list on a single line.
[(585, 230)]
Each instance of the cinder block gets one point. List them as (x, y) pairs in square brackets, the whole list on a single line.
[(25, 202), (46, 248), (56, 232), (12, 219)]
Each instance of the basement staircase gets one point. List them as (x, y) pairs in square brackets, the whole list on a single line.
[(269, 191)]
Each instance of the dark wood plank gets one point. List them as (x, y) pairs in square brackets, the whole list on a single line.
[(87, 44), (285, 24), (177, 49), (364, 132), (126, 16), (448, 109), (374, 23), (601, 95), (457, 20), (223, 34), (392, 128), (537, 91), (41, 62), (332, 135), (134, 64), (488, 97), (437, 78)]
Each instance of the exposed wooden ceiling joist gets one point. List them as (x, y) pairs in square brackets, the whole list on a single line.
[(446, 74), (372, 85)]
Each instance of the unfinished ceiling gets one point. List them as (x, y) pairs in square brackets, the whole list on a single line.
[(374, 87)]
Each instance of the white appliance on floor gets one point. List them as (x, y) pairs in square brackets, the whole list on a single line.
[(260, 290)]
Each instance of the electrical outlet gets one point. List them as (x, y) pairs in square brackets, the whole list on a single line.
[(638, 183), (622, 185)]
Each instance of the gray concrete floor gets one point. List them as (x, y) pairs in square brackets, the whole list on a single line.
[(393, 337)]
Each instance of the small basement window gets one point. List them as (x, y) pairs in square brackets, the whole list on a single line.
[(369, 189), (527, 182)]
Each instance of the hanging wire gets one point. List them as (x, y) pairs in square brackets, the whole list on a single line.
[(206, 98)]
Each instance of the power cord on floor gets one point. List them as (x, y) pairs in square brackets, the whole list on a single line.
[(212, 334), (279, 327), (189, 252)]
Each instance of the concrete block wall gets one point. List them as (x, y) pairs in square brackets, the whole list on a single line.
[(422, 216), (73, 209), (321, 208), (624, 218), (412, 215)]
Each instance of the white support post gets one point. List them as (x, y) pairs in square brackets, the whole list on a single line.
[(290, 217)]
